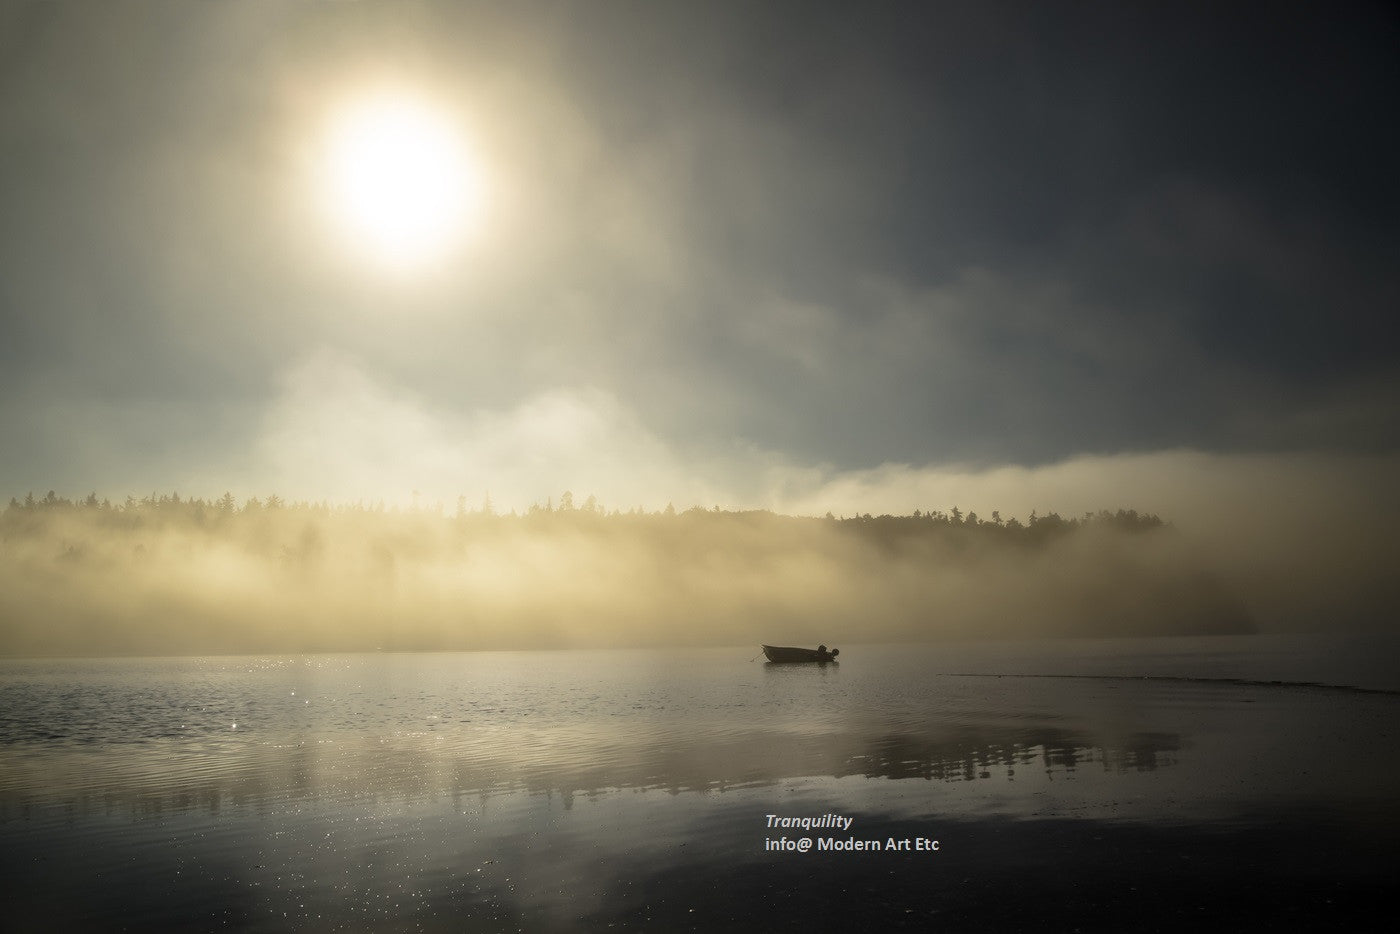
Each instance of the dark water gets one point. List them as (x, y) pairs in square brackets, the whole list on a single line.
[(1101, 785)]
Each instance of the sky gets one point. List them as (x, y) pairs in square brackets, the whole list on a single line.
[(800, 256)]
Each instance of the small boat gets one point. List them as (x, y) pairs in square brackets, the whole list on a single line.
[(784, 653)]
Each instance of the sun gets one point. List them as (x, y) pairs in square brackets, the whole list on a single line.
[(397, 180)]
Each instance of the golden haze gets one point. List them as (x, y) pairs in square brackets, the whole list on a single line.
[(172, 576)]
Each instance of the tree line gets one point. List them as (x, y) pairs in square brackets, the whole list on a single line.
[(199, 511)]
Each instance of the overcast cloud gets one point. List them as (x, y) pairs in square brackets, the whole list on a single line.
[(801, 256)]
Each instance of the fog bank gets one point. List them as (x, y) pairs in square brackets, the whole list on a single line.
[(168, 576)]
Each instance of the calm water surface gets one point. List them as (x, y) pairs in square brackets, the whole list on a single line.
[(561, 790)]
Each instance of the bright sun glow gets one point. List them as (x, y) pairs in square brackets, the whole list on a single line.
[(399, 180)]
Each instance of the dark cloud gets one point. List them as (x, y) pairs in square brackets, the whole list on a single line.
[(924, 233)]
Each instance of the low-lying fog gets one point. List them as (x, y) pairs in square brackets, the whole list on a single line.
[(165, 575)]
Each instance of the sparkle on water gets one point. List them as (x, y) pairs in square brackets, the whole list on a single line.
[(542, 789)]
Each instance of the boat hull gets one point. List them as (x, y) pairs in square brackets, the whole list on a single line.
[(784, 654)]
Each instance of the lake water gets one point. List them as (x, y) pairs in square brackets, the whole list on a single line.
[(1112, 785)]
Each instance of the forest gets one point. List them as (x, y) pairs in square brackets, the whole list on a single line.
[(170, 575)]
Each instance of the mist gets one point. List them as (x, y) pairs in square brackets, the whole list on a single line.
[(170, 576)]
